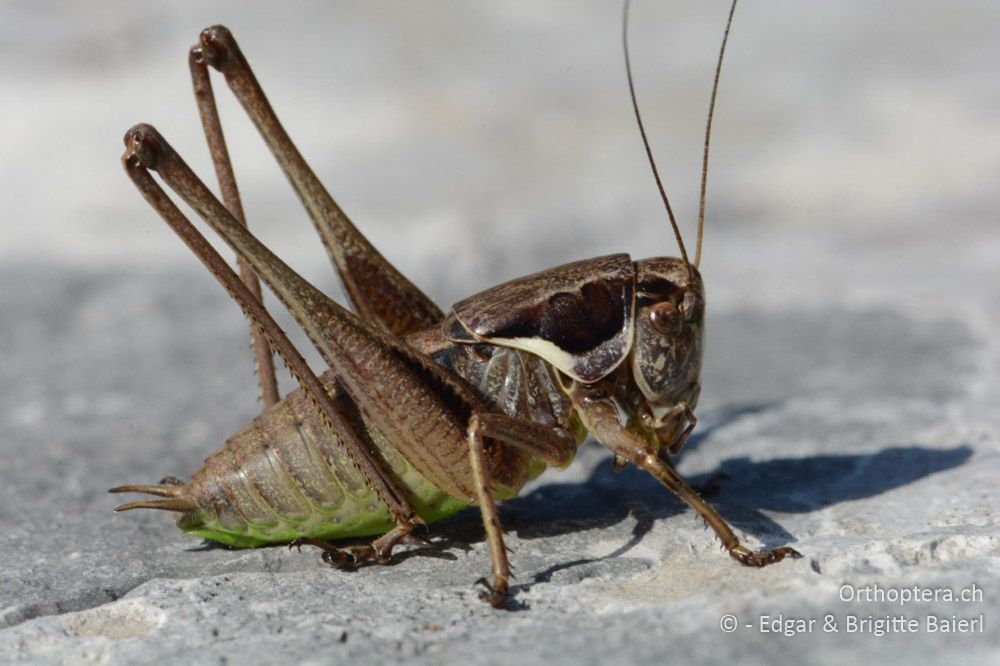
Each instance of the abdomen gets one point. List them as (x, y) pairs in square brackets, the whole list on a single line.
[(288, 475)]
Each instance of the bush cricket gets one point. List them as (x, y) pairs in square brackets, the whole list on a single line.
[(422, 413)]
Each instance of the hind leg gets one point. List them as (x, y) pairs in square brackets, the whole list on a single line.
[(376, 289), (349, 558), (205, 99), (144, 147)]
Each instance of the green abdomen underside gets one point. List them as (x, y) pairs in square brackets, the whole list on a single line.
[(287, 475), (357, 516)]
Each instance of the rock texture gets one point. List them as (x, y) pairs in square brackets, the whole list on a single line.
[(851, 380)]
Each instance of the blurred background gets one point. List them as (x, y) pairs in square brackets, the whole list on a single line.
[(473, 141)]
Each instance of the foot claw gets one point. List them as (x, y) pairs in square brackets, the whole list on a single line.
[(748, 558), (495, 595)]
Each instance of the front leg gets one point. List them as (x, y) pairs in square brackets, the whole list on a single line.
[(601, 418)]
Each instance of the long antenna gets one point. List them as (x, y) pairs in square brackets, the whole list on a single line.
[(645, 141), (708, 135)]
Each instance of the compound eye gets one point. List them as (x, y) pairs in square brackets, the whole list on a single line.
[(664, 317)]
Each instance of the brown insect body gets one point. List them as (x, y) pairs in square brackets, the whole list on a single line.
[(420, 414), (286, 475)]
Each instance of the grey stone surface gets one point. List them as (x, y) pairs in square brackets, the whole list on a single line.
[(851, 379)]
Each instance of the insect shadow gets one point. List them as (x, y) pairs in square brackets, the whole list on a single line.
[(747, 488), (789, 485)]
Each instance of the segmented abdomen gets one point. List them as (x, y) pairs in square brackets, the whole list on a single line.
[(288, 475)]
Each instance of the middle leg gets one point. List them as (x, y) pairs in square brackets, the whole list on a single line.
[(553, 446)]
